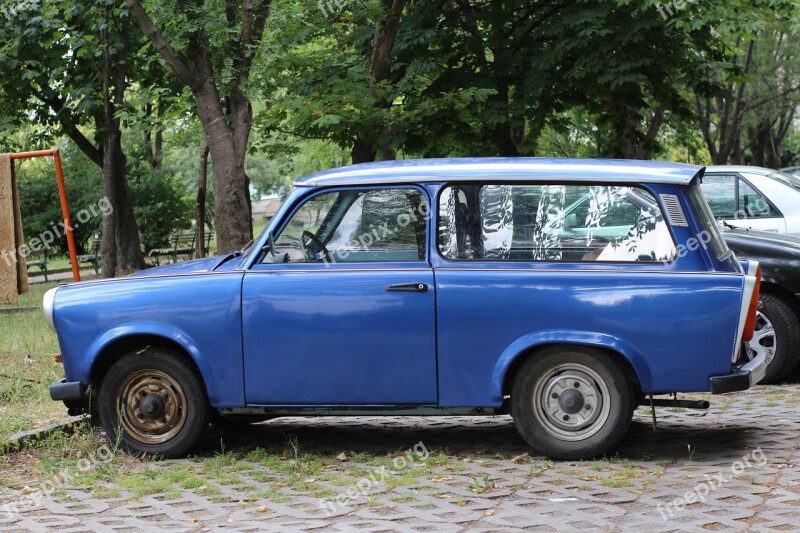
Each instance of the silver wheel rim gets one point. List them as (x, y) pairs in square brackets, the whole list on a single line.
[(764, 340), (571, 402)]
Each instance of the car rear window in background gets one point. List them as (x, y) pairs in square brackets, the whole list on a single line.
[(792, 180), (709, 223), (570, 223)]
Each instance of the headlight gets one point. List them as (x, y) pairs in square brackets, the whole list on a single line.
[(47, 304)]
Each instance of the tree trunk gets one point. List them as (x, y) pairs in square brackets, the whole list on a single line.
[(121, 248), (380, 64), (226, 134), (362, 151), (200, 209), (231, 211), (727, 146)]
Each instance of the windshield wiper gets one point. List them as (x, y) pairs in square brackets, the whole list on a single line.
[(231, 255)]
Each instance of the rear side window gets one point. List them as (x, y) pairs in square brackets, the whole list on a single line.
[(571, 223), (709, 223)]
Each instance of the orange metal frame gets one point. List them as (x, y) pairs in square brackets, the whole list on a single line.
[(62, 193)]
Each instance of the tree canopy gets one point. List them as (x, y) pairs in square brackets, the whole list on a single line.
[(273, 89)]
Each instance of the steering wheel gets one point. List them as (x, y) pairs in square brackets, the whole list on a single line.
[(313, 239)]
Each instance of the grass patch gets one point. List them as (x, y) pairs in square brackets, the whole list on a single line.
[(27, 369), (169, 481), (34, 296)]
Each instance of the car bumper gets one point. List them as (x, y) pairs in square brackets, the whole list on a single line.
[(742, 379), (74, 394)]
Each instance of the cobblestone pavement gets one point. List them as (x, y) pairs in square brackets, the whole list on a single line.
[(740, 458)]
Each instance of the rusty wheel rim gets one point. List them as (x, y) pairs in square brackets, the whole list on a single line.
[(151, 406)]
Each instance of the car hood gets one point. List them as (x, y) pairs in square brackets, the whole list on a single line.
[(206, 264), (778, 242)]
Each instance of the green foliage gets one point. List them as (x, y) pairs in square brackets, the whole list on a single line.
[(40, 204), (486, 78), (160, 204), (159, 198), (474, 77)]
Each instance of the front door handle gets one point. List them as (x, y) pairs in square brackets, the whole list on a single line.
[(408, 287)]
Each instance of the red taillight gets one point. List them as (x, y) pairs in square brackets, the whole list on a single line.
[(750, 323)]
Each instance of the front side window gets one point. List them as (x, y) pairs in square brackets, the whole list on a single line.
[(353, 226), (552, 223)]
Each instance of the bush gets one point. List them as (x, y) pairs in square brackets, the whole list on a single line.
[(160, 205), (159, 201), (40, 204)]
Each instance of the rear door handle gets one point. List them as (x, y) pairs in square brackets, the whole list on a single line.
[(408, 287)]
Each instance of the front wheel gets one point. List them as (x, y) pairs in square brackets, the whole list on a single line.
[(153, 402), (572, 402)]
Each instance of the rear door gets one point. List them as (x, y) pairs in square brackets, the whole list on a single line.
[(734, 200)]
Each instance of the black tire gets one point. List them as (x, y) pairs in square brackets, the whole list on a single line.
[(165, 421), (598, 410), (785, 341)]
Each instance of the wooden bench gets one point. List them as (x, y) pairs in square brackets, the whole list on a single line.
[(179, 244), (93, 257), (209, 235), (41, 263)]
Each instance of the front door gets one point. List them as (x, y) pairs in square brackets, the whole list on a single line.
[(340, 308)]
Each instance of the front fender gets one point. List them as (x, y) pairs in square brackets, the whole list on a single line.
[(201, 313), (155, 329), (549, 337)]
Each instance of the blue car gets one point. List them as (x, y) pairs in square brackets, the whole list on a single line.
[(562, 292)]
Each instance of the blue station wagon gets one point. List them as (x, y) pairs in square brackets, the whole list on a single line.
[(562, 292)]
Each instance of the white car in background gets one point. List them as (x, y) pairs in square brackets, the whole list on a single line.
[(754, 197)]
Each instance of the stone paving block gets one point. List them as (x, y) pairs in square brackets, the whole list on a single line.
[(522, 491)]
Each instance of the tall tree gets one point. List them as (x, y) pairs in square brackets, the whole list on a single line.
[(749, 95), (52, 72), (120, 246), (380, 65), (212, 53)]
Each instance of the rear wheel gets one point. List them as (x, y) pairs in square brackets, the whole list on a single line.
[(153, 402), (777, 335), (572, 402)]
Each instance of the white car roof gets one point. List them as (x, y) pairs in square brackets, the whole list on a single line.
[(740, 168)]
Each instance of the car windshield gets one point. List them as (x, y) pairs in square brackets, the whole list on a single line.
[(787, 179)]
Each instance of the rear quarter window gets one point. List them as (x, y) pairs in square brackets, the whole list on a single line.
[(708, 223), (540, 222)]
